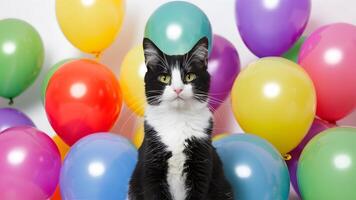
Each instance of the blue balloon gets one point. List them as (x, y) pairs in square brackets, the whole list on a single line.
[(254, 168), (176, 26), (98, 167)]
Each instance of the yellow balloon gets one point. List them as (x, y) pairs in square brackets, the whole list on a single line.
[(90, 25), (138, 137), (132, 75), (63, 147), (274, 98)]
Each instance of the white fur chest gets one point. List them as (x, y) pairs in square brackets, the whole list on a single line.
[(173, 128)]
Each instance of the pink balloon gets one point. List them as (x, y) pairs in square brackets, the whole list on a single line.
[(328, 55), (29, 164)]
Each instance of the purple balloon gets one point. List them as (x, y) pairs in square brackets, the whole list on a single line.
[(29, 164), (317, 127), (223, 67), (10, 117), (271, 27)]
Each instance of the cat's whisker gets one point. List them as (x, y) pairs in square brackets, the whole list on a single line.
[(214, 93), (177, 132), (210, 98)]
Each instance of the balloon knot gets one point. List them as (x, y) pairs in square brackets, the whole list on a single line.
[(97, 56), (287, 157), (11, 102)]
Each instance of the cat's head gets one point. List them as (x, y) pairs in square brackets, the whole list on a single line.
[(177, 81)]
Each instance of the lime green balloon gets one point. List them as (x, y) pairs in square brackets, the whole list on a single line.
[(175, 27), (49, 74), (327, 166), (292, 53), (21, 56)]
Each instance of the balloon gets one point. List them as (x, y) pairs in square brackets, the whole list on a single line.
[(132, 74), (317, 127), (253, 167), (10, 117), (271, 27), (138, 137), (90, 25), (292, 53), (63, 150), (82, 97), (21, 56), (326, 168), (57, 194), (224, 65), (274, 98), (49, 75), (62, 146), (99, 166), (30, 164), (175, 27), (328, 56), (219, 136)]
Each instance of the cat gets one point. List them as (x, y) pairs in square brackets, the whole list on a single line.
[(176, 160)]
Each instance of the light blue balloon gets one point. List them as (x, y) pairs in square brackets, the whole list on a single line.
[(175, 27), (98, 167), (254, 168)]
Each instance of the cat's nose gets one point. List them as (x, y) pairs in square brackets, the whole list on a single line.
[(178, 90)]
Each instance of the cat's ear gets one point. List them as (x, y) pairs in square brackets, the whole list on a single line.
[(200, 52), (152, 53)]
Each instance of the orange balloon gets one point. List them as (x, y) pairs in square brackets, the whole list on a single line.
[(63, 150), (57, 194), (62, 146), (82, 97)]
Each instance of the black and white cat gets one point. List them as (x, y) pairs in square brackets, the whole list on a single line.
[(177, 160)]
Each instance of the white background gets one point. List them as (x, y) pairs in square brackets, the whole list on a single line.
[(41, 14)]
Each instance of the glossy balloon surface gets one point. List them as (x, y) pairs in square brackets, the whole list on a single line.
[(254, 168), (333, 174), (30, 164), (176, 26), (49, 75), (223, 67), (317, 127), (10, 117), (328, 56), (82, 97), (99, 166), (90, 25), (132, 74), (274, 98), (293, 53), (271, 27), (21, 56)]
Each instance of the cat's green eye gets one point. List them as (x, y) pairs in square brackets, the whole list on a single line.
[(190, 77), (164, 78)]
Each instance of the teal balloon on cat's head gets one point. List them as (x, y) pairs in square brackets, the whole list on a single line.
[(175, 27)]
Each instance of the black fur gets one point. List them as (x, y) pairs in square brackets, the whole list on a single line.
[(159, 63), (149, 180), (205, 179)]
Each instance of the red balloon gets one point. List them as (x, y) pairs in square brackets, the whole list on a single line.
[(328, 56), (82, 97)]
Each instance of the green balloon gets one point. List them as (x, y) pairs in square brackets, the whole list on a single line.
[(49, 74), (292, 53), (327, 166), (21, 56), (175, 27)]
